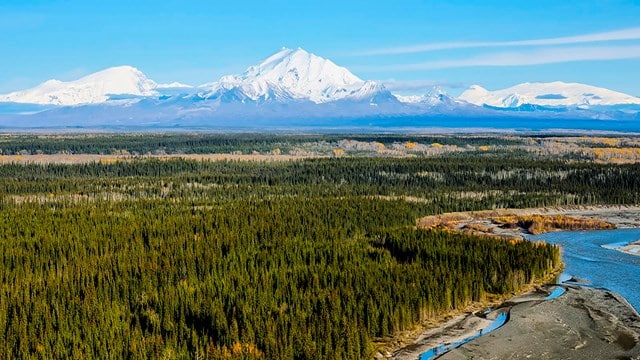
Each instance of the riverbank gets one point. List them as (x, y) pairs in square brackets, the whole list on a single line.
[(584, 323), (517, 223), (465, 326), (606, 308), (455, 325), (622, 216)]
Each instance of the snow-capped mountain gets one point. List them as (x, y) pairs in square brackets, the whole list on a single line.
[(438, 102), (294, 75), (553, 94), (91, 89), (372, 93), (297, 88), (174, 85), (436, 96)]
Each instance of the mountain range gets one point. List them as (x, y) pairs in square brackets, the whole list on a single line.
[(547, 94), (293, 88)]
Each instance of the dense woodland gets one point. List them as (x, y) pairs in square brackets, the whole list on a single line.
[(309, 259), (210, 143)]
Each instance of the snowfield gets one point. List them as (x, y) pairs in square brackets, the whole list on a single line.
[(547, 94)]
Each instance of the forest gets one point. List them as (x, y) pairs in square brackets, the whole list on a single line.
[(317, 258), (205, 143)]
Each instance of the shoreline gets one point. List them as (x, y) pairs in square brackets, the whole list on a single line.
[(623, 216), (468, 325), (631, 248), (392, 345), (612, 333), (491, 222), (584, 323)]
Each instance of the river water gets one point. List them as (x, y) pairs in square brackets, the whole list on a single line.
[(433, 353), (590, 255)]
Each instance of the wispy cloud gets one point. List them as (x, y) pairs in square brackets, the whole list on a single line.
[(524, 58), (618, 35)]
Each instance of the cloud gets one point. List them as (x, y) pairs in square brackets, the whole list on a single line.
[(525, 58), (618, 35)]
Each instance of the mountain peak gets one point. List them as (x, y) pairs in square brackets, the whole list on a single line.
[(477, 88), (121, 80), (90, 89), (437, 92), (295, 66), (369, 88), (295, 74), (436, 96), (555, 93), (120, 70), (174, 85)]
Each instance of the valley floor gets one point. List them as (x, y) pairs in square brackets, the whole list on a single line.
[(583, 323)]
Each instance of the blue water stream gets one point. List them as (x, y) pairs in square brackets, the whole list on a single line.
[(591, 256), (432, 353), (501, 319), (587, 255)]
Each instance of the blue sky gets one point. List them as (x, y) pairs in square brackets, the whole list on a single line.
[(409, 44)]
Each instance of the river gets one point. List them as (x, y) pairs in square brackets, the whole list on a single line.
[(589, 255)]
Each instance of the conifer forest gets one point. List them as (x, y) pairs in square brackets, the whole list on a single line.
[(148, 254)]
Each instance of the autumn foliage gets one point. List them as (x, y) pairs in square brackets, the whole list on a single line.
[(539, 224)]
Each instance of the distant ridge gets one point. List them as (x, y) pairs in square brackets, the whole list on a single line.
[(91, 89), (547, 94), (295, 87)]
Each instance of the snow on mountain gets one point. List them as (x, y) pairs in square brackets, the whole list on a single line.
[(372, 92), (409, 99), (436, 96), (173, 85), (292, 87), (547, 94), (91, 89), (294, 75)]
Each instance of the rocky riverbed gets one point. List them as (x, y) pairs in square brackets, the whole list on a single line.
[(584, 323)]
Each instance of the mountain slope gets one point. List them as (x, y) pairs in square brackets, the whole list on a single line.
[(547, 94), (91, 89), (436, 96), (174, 85), (294, 75), (294, 87)]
